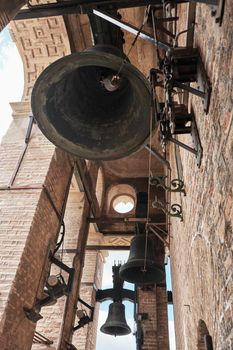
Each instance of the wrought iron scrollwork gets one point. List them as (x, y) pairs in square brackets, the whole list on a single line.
[(175, 209), (176, 185)]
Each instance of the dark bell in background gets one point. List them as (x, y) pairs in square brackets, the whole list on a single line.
[(141, 270)]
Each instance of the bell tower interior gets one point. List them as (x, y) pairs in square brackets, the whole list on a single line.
[(122, 142)]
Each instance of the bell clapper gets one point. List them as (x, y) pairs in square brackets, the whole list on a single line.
[(111, 83)]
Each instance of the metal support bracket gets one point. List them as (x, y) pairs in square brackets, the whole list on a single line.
[(176, 185), (197, 150), (203, 85), (217, 11), (60, 290), (181, 122), (175, 209), (117, 293), (69, 270), (85, 319), (131, 29)]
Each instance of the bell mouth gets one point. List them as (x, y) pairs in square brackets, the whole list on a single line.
[(86, 107), (151, 274), (116, 322), (116, 330)]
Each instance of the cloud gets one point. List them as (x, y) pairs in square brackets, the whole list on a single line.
[(11, 77)]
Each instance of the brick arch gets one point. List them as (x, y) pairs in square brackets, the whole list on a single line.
[(204, 340), (117, 190)]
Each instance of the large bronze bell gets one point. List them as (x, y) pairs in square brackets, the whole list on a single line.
[(116, 322), (139, 270), (82, 104)]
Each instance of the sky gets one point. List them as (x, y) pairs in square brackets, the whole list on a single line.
[(104, 342), (11, 77), (12, 81)]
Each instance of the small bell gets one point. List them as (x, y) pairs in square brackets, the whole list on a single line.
[(116, 322)]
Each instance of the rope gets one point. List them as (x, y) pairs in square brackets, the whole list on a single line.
[(148, 191), (155, 32), (116, 77)]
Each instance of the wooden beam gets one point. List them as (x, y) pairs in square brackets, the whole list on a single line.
[(117, 220), (78, 263), (99, 247), (84, 180)]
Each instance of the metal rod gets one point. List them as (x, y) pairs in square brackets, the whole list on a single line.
[(158, 156), (117, 233), (159, 228), (183, 145), (110, 220), (131, 29), (159, 237), (196, 92), (22, 187), (43, 338), (85, 304), (98, 247), (27, 138)]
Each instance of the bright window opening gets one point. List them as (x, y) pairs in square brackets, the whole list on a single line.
[(123, 204)]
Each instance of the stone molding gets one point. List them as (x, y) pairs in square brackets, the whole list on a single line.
[(40, 42)]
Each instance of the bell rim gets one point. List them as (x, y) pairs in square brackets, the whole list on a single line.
[(78, 60), (108, 325), (126, 328), (150, 264)]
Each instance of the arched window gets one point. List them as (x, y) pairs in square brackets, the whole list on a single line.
[(204, 340), (121, 199)]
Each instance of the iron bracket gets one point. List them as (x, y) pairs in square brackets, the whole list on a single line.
[(69, 270), (62, 289), (177, 185), (175, 211), (176, 57), (131, 29), (109, 294), (117, 293), (179, 122), (85, 319), (197, 150), (217, 11)]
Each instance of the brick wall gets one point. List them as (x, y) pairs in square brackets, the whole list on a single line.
[(201, 246), (28, 227), (153, 302)]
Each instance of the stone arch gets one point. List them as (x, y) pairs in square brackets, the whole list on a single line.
[(204, 340)]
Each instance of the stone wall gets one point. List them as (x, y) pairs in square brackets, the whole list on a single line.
[(201, 245)]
